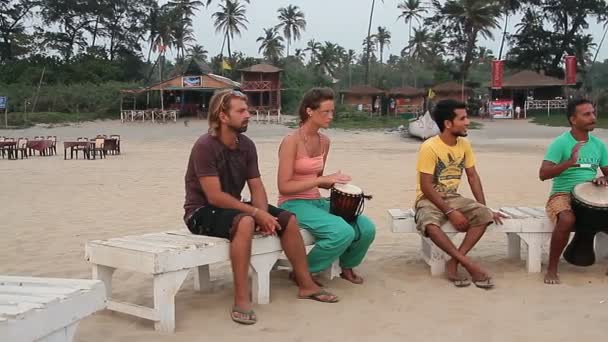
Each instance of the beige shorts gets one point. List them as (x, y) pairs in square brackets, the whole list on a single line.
[(556, 204), (427, 213)]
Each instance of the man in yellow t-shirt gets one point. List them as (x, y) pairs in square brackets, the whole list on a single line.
[(441, 162)]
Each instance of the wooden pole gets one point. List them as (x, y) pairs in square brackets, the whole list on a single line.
[(38, 90)]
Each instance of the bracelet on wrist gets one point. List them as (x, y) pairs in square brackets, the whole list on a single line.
[(449, 211)]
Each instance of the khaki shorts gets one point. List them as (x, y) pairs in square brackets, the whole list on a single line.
[(427, 213), (556, 204)]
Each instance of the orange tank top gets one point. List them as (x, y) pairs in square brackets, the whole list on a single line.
[(305, 167)]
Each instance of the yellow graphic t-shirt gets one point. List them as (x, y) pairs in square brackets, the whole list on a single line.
[(445, 163)]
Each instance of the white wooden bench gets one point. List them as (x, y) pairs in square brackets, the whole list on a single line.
[(169, 256), (527, 224), (46, 309)]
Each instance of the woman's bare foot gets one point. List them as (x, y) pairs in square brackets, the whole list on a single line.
[(350, 275), (292, 277)]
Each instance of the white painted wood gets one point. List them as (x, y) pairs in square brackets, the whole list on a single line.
[(601, 246), (65, 334), (46, 309), (333, 271), (134, 310), (202, 278), (528, 224), (104, 273), (514, 246), (166, 286), (261, 264)]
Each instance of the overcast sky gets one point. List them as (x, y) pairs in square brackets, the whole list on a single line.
[(339, 21)]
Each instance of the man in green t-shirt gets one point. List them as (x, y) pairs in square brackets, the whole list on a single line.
[(572, 158)]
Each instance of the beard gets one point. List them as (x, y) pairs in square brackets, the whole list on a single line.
[(239, 129)]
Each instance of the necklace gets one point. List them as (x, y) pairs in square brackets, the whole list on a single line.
[(305, 138)]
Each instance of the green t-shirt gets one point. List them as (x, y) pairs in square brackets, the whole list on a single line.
[(590, 157)]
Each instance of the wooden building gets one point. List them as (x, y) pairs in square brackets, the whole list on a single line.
[(362, 97), (406, 100), (262, 85)]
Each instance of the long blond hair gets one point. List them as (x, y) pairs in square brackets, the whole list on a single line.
[(220, 102)]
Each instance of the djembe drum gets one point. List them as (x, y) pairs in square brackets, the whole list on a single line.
[(590, 206), (347, 201)]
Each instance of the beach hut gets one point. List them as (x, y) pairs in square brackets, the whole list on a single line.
[(362, 97)]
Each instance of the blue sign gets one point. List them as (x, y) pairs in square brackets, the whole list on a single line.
[(3, 102)]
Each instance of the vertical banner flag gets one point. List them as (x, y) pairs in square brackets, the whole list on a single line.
[(497, 73), (570, 70)]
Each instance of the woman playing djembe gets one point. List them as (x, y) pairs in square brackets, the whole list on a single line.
[(302, 158)]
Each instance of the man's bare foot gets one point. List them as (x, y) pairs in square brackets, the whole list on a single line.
[(350, 275), (451, 270), (552, 278)]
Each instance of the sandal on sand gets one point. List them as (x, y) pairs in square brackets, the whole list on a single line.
[(250, 317), (357, 279), (485, 283), (460, 282), (318, 296)]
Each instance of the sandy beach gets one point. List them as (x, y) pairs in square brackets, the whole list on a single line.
[(50, 207)]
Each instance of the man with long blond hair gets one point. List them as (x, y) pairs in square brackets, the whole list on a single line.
[(221, 162)]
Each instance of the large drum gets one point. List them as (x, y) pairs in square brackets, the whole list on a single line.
[(347, 201), (590, 206)]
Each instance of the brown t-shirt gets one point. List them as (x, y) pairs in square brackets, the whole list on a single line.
[(210, 157)]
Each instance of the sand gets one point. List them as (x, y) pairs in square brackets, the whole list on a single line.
[(51, 207)]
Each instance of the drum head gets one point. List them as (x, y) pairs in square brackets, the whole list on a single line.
[(348, 189), (591, 194)]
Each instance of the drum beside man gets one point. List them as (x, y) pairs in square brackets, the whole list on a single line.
[(572, 158)]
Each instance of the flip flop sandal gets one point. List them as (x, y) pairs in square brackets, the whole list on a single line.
[(484, 283), (358, 280), (318, 297), (252, 319), (461, 282)]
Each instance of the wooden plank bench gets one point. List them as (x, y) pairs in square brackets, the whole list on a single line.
[(46, 309), (169, 256), (527, 224)]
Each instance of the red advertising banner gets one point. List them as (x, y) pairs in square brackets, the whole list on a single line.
[(570, 70), (497, 73)]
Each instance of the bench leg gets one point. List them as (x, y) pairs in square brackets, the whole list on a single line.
[(202, 278), (333, 271), (104, 273), (514, 245), (601, 246), (261, 265), (434, 256), (166, 286), (65, 334), (535, 242)]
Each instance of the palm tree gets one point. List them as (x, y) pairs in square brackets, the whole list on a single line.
[(313, 47), (292, 22), (411, 10), (469, 18), (230, 20), (510, 7), (198, 53), (368, 41), (299, 54), (382, 38), (271, 44), (187, 8), (328, 58), (418, 48)]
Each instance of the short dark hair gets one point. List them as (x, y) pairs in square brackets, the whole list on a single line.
[(572, 104), (446, 110)]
